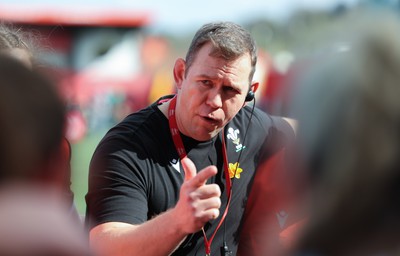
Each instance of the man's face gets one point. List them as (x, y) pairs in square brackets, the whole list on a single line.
[(211, 94)]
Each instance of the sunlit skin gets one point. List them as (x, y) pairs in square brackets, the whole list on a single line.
[(211, 94)]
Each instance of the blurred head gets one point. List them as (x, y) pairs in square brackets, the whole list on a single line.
[(214, 80), (349, 131), (13, 43), (31, 123)]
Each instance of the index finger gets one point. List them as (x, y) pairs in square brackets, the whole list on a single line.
[(201, 178), (197, 179)]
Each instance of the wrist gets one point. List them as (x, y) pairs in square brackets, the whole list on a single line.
[(174, 219)]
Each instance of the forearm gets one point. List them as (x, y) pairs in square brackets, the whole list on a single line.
[(198, 203), (158, 236)]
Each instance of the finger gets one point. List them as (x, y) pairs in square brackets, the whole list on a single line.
[(207, 204), (189, 167), (210, 214), (206, 191), (201, 177)]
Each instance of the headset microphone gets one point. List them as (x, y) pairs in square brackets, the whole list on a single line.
[(249, 96)]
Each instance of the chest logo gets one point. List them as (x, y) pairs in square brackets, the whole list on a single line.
[(233, 135)]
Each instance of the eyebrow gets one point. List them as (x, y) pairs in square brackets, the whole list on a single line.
[(207, 77), (216, 78)]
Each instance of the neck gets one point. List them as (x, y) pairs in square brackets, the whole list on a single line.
[(164, 108)]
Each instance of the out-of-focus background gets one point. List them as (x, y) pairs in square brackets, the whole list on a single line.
[(111, 58)]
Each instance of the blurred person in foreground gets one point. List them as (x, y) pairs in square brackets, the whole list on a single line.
[(20, 45), (348, 110), (270, 211), (34, 215), (145, 195)]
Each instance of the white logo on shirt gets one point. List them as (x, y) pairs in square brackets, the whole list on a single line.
[(282, 217), (233, 135), (175, 164)]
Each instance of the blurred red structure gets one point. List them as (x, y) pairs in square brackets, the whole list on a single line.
[(73, 16), (103, 61)]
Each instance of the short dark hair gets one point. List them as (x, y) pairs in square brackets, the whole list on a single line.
[(229, 41)]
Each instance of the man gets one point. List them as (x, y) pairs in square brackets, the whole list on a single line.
[(145, 196)]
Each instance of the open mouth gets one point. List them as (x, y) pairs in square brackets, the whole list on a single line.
[(211, 121)]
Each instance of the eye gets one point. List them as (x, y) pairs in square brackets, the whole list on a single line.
[(206, 82), (230, 89)]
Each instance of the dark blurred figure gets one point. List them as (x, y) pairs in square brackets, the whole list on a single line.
[(348, 110), (34, 213), (20, 45)]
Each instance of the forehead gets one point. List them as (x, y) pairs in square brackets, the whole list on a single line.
[(237, 69)]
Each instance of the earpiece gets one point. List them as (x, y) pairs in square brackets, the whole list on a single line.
[(250, 96)]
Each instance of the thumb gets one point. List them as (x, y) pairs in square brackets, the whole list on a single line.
[(189, 167)]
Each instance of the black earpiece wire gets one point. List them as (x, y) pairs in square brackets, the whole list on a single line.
[(225, 249)]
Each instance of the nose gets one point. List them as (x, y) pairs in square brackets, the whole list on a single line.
[(214, 99)]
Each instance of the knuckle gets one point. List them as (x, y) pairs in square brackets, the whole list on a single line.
[(193, 196), (216, 189), (218, 202)]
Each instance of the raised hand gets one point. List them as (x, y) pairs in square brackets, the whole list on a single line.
[(198, 202)]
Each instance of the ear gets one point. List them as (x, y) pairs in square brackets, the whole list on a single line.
[(253, 89), (254, 86), (179, 72)]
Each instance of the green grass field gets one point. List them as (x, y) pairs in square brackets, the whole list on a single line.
[(81, 155)]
